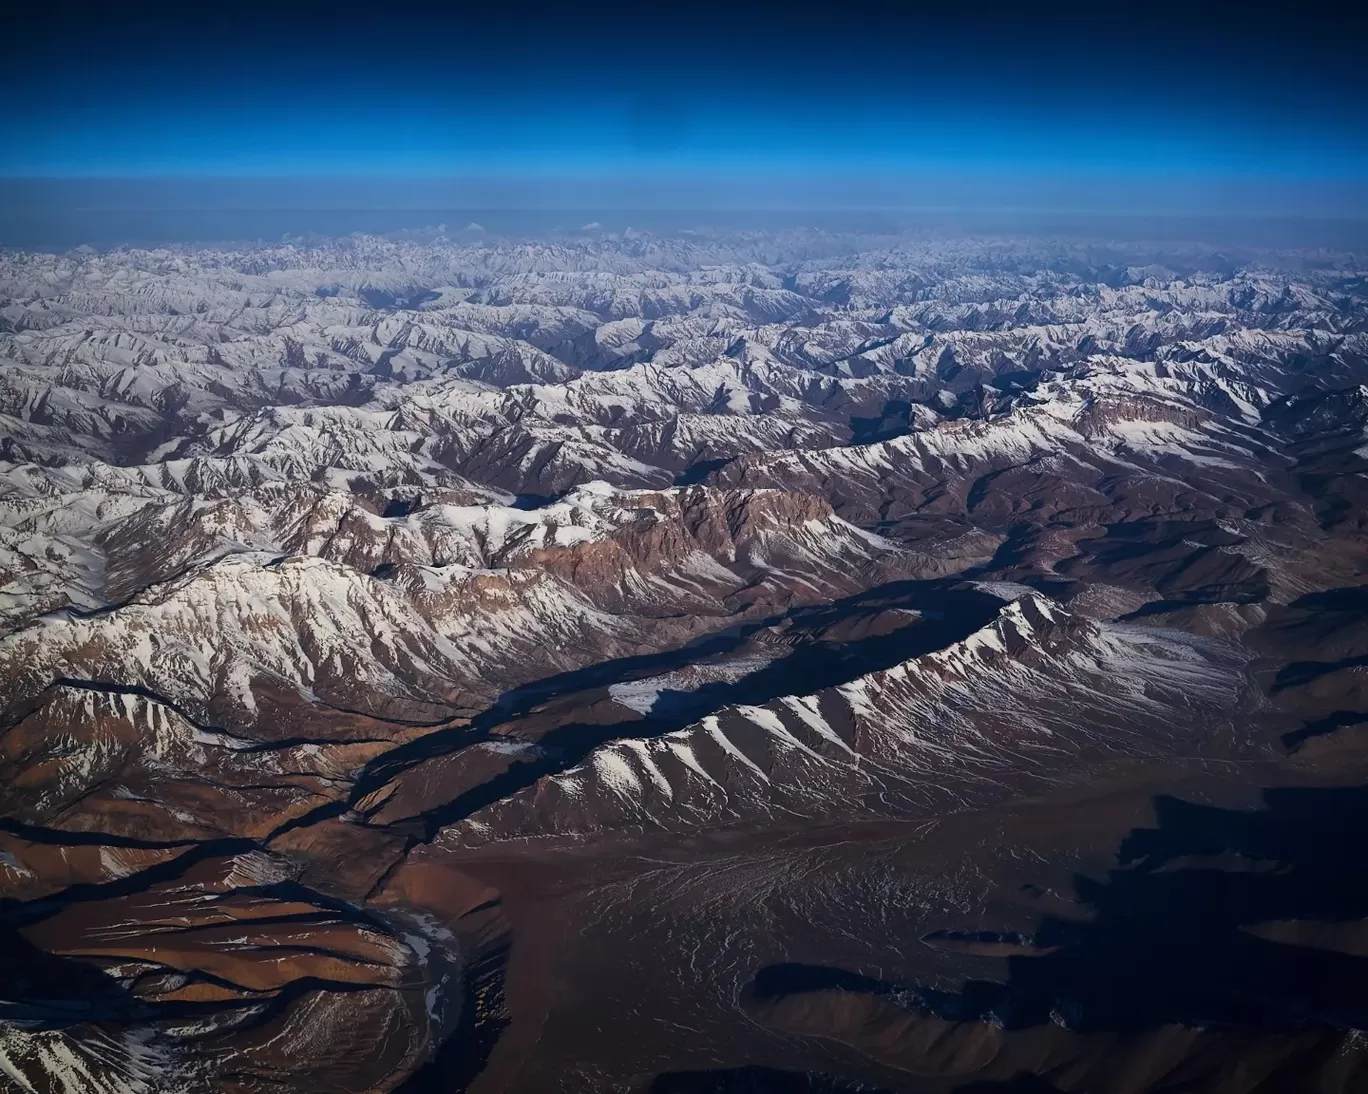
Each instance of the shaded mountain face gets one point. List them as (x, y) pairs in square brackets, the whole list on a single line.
[(714, 663)]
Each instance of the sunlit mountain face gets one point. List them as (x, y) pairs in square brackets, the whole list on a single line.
[(694, 550)]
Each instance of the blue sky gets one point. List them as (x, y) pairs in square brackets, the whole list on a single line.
[(856, 103)]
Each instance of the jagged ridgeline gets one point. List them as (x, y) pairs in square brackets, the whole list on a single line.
[(705, 663)]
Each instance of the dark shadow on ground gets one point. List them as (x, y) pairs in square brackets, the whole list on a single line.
[(755, 1080), (463, 1055), (1222, 919)]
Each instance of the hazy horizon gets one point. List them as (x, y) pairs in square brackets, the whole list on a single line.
[(59, 215), (1182, 111)]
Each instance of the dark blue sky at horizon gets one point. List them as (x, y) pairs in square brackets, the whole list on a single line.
[(1149, 105)]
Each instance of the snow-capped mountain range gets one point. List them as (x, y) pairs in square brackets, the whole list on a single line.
[(327, 563)]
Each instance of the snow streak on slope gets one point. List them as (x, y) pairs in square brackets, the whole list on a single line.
[(38, 1061), (313, 594), (1031, 694)]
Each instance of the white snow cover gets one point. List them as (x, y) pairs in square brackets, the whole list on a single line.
[(1034, 683)]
